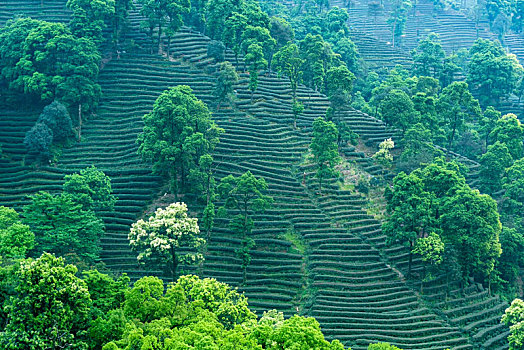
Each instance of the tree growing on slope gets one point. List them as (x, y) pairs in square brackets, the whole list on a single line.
[(91, 188), (176, 134), (325, 149), (246, 194), (167, 239), (227, 77)]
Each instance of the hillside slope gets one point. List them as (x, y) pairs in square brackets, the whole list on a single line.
[(316, 255)]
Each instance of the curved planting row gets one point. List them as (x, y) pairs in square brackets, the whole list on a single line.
[(47, 10)]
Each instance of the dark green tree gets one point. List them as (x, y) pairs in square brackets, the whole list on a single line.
[(247, 195), (90, 18), (176, 134), (325, 149), (493, 165), (409, 212), (38, 140), (255, 61), (470, 223), (227, 77), (457, 106), (282, 31), (57, 119)]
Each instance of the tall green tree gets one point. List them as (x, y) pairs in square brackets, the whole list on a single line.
[(176, 134), (428, 57), (325, 149), (216, 14), (287, 61), (168, 239), (339, 85), (233, 33), (397, 19), (470, 223), (174, 10), (247, 195), (255, 61), (409, 212), (227, 77)]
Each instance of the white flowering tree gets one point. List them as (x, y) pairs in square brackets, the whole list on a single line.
[(169, 238)]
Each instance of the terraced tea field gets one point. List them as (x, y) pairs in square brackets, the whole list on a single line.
[(318, 255)]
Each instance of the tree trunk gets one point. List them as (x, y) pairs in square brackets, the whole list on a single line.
[(79, 122), (410, 257), (159, 39), (174, 264)]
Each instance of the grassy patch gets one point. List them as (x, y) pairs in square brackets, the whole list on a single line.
[(297, 244)]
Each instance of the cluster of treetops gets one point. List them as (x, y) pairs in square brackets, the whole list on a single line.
[(48, 305)]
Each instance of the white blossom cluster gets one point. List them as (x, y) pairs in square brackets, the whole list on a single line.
[(164, 233)]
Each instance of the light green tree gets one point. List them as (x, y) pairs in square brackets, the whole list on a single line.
[(16, 239), (50, 308), (514, 318)]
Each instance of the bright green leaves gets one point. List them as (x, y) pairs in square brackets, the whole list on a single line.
[(16, 239), (514, 317), (50, 308)]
